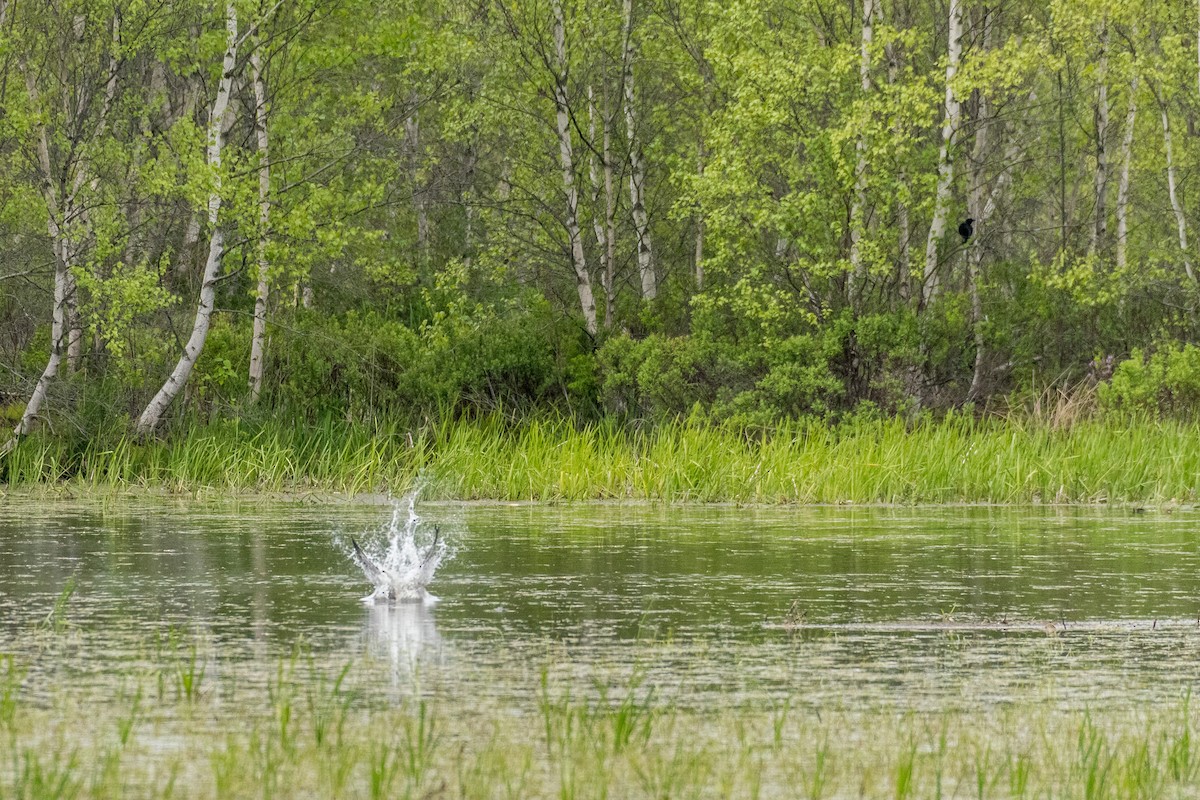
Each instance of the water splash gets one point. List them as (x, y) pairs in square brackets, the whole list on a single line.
[(403, 570)]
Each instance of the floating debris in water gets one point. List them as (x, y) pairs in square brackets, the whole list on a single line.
[(402, 571)]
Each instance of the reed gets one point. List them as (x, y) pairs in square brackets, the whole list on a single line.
[(957, 459)]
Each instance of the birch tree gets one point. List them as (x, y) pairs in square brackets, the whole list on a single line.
[(1100, 229), (562, 111), (950, 125), (857, 210), (637, 163), (605, 228), (83, 95), (262, 293), (152, 415), (1122, 209), (1172, 194)]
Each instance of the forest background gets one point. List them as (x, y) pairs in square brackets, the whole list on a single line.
[(732, 213)]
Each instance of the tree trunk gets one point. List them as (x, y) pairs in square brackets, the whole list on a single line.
[(62, 257), (976, 210), (858, 208), (941, 208), (1100, 230), (412, 132), (610, 220), (259, 336), (74, 323), (598, 224), (1176, 206), (699, 256), (583, 281), (637, 165), (1123, 186), (152, 415), (903, 227)]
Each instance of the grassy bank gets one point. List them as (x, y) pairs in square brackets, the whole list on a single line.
[(959, 459), (182, 722)]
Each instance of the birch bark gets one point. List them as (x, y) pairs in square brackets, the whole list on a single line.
[(903, 228), (950, 124), (583, 281), (637, 163), (857, 210), (699, 254), (1100, 230), (153, 412), (412, 132), (600, 226), (1176, 205), (1123, 186), (61, 269), (259, 335)]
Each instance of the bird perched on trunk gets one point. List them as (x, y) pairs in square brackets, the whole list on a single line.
[(966, 228)]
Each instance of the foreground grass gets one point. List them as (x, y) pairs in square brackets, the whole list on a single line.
[(180, 724), (959, 459)]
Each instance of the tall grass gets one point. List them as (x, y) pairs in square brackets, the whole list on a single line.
[(959, 459)]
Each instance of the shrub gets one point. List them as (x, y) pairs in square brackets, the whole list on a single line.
[(1166, 382)]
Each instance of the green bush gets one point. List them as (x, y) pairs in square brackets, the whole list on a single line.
[(363, 364), (1165, 382)]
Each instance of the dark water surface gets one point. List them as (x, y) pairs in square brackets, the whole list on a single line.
[(908, 608)]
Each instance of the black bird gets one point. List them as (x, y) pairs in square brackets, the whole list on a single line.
[(966, 228)]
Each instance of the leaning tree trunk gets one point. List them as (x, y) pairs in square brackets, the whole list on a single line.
[(153, 413), (259, 335), (858, 208), (637, 163), (941, 208), (1176, 206), (59, 313), (583, 281), (1123, 186)]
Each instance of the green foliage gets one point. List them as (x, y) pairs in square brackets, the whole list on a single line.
[(363, 364), (1165, 382)]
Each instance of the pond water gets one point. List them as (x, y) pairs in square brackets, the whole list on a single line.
[(949, 608)]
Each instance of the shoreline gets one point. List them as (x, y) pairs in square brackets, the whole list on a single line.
[(83, 492)]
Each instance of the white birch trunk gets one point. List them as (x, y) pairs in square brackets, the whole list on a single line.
[(61, 270), (941, 208), (637, 165), (903, 233), (1176, 206), (1100, 230), (1123, 186), (583, 281), (610, 220), (699, 255), (412, 132), (857, 209), (597, 220), (259, 336), (153, 412)]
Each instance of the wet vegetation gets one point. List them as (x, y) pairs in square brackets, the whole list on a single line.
[(183, 721), (1128, 459)]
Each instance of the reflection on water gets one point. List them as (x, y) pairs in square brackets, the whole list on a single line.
[(400, 634), (849, 607)]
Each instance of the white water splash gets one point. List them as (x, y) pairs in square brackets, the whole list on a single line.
[(403, 570)]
